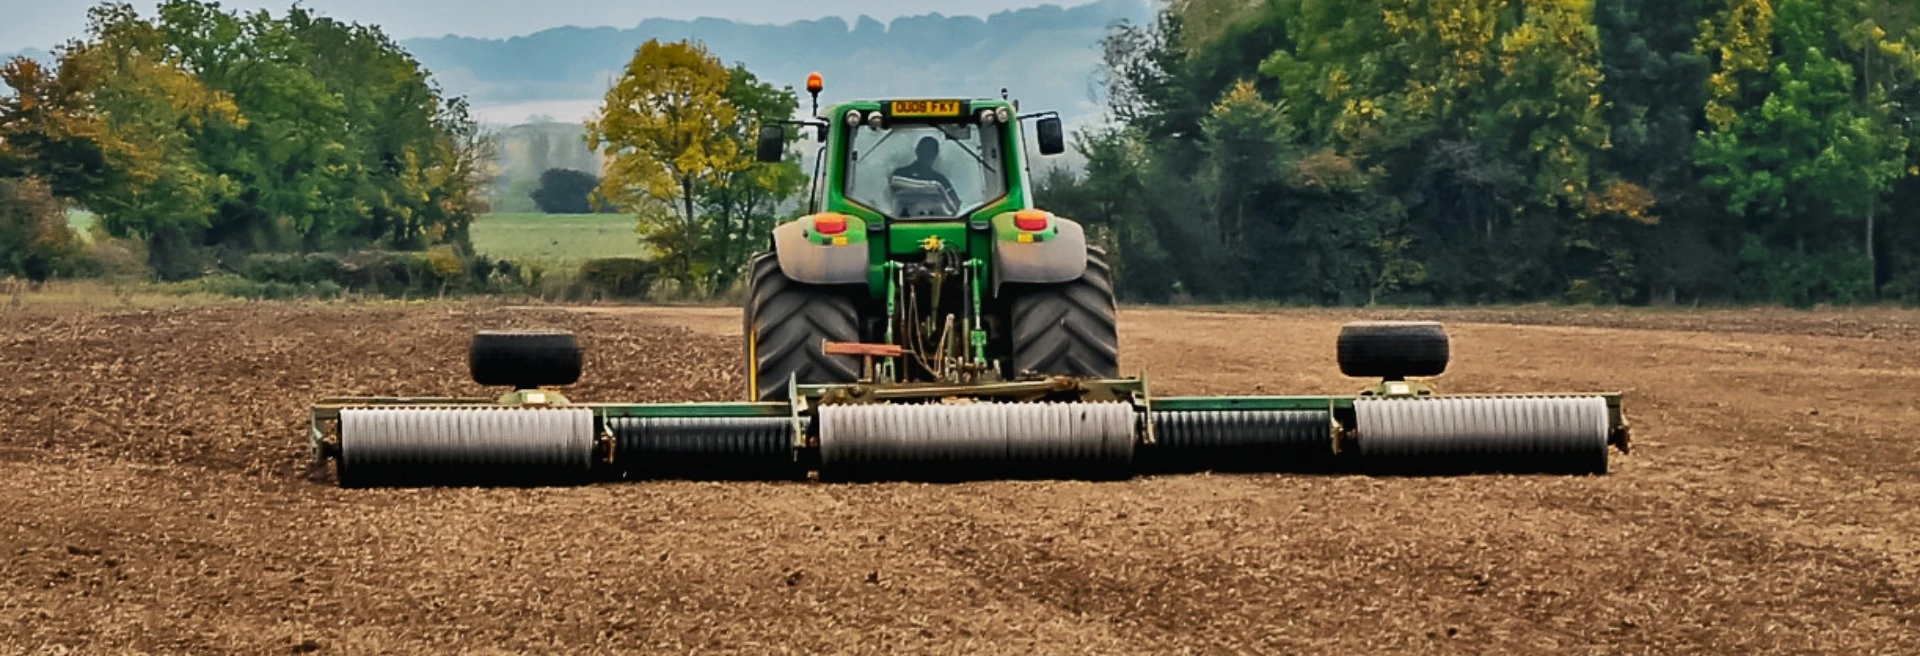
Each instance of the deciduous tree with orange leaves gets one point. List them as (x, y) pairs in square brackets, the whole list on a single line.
[(667, 128)]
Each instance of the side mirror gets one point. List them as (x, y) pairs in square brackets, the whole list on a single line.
[(1048, 131), (773, 144)]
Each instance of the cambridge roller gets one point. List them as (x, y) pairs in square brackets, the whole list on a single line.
[(924, 319), (1051, 427)]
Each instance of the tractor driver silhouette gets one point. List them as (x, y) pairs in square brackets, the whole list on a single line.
[(922, 190)]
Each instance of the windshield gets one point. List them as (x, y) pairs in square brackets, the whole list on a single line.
[(908, 171)]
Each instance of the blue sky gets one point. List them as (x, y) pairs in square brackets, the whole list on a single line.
[(45, 23)]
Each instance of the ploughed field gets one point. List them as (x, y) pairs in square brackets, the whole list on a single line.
[(154, 498)]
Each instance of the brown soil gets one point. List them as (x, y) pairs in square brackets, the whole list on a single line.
[(154, 498)]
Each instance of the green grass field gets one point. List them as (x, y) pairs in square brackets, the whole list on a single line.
[(556, 239)]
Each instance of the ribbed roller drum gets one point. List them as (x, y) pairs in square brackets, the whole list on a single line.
[(464, 446), (724, 448), (1241, 440), (1564, 435), (969, 440)]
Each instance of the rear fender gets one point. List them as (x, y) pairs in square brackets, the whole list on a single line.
[(1061, 257), (810, 261)]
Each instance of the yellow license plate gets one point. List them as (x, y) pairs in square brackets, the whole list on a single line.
[(926, 108)]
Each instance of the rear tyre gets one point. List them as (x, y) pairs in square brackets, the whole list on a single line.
[(524, 359), (1393, 349), (787, 324), (1067, 329)]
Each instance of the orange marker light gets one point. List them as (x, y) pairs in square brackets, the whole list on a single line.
[(815, 83), (830, 224), (1030, 220)]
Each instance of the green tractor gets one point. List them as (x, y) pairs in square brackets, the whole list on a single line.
[(925, 319), (923, 249)]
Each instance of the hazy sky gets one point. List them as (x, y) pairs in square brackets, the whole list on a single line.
[(45, 23)]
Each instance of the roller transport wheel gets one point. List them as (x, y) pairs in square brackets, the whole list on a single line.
[(1067, 328), (1393, 350), (786, 325), (524, 359)]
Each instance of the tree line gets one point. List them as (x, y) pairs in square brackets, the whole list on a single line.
[(1472, 151), (1308, 151), (206, 135), (228, 142)]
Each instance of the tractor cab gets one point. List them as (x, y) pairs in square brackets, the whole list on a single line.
[(927, 159), (920, 159)]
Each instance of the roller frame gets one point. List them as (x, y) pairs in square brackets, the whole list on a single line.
[(325, 415)]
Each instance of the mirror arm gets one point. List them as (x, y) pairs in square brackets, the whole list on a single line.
[(821, 124), (813, 199), (805, 123)]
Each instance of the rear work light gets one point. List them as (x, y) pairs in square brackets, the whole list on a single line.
[(830, 224), (1030, 220)]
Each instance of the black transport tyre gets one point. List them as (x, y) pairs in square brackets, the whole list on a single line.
[(1393, 349), (786, 325), (1067, 329), (524, 359)]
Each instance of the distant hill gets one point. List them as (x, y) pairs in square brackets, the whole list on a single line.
[(1046, 55)]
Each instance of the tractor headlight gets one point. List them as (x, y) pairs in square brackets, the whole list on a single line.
[(875, 120), (853, 118), (987, 117), (1006, 115)]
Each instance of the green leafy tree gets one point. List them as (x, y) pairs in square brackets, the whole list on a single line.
[(566, 191), (1111, 199), (669, 131), (158, 108), (295, 132), (35, 242), (1495, 150), (1655, 95), (741, 207), (49, 129), (1247, 143), (1801, 148)]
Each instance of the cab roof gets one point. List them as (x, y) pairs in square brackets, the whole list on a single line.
[(925, 109)]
